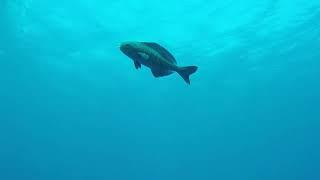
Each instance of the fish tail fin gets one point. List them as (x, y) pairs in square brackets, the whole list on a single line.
[(185, 72)]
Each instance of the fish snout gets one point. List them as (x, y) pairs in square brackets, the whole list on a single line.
[(124, 47)]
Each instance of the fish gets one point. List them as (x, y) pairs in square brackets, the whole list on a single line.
[(154, 56)]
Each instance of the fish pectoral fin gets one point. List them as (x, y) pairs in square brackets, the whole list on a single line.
[(155, 73), (137, 64), (143, 55), (160, 73)]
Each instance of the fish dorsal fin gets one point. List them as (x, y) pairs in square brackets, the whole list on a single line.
[(163, 52)]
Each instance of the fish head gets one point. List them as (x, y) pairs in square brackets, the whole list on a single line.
[(130, 49)]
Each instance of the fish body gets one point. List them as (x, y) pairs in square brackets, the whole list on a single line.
[(157, 58)]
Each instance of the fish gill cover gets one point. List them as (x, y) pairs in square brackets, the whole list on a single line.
[(72, 106)]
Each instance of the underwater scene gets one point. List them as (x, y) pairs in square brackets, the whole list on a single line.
[(159, 90)]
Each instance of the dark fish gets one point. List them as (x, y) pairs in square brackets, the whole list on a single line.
[(157, 58)]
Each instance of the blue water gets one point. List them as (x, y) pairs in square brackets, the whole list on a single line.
[(72, 106)]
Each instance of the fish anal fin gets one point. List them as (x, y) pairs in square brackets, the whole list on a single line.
[(160, 73)]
